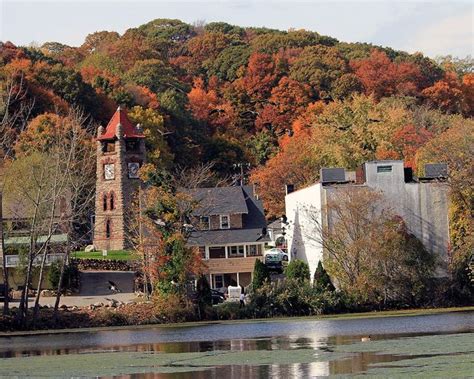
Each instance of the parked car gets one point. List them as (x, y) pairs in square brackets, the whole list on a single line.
[(217, 297), (275, 259), (4, 292)]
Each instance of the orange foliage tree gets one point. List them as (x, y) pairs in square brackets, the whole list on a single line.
[(446, 94)]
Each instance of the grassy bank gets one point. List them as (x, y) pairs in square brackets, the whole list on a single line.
[(119, 255), (87, 321)]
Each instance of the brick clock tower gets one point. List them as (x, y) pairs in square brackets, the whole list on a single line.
[(120, 153)]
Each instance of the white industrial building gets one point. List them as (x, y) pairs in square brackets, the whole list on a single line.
[(421, 202)]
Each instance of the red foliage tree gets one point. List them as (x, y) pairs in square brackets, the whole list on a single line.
[(407, 140), (260, 77), (382, 77)]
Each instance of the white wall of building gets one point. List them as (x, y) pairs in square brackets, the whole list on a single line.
[(301, 208), (423, 206)]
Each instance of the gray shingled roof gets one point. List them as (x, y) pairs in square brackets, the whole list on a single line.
[(219, 200), (253, 224)]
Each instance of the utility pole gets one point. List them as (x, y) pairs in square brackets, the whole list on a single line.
[(4, 261), (241, 166)]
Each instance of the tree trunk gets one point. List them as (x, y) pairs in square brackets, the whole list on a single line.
[(60, 285), (4, 262), (40, 281)]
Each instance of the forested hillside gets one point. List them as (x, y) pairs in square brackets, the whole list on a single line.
[(288, 103)]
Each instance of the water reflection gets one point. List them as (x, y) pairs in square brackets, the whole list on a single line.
[(322, 336)]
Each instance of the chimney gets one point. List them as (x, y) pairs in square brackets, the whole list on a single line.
[(119, 131), (100, 131), (360, 174), (408, 172), (289, 188)]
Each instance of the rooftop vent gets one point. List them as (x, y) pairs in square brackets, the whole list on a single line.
[(289, 188), (333, 175), (436, 170)]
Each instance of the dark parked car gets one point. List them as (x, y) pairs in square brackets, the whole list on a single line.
[(217, 297), (3, 292)]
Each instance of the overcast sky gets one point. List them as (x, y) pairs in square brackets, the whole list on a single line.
[(432, 27)]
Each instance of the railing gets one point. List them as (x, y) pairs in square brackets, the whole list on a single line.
[(14, 260)]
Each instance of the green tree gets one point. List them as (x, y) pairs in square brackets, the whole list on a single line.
[(298, 270), (260, 274), (319, 66), (322, 281), (203, 290)]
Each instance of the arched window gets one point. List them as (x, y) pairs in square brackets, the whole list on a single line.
[(108, 228), (104, 201), (112, 201)]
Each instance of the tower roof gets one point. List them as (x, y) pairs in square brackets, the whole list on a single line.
[(120, 117)]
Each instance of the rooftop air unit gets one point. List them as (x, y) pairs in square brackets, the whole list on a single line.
[(333, 175), (436, 170)]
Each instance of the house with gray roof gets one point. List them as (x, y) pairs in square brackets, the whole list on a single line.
[(230, 231)]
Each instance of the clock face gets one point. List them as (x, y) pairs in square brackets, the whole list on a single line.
[(133, 168), (109, 171)]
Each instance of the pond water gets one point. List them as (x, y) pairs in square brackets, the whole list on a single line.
[(440, 344)]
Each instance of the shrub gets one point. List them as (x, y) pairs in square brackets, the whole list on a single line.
[(173, 308), (71, 275), (230, 310), (298, 270)]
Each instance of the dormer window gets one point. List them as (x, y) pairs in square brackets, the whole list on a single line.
[(205, 222), (225, 222), (108, 147)]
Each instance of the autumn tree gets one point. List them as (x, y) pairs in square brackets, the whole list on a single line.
[(152, 123), (259, 78), (287, 101), (53, 188), (446, 94), (456, 148), (159, 235), (319, 66), (382, 77), (407, 140), (368, 250)]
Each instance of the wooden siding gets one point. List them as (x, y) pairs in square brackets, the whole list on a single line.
[(230, 265)]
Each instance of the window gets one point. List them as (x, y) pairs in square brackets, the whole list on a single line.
[(132, 145), (204, 223), (384, 169), (108, 229), (20, 225), (218, 281), (254, 250), (225, 224), (112, 201), (108, 147), (104, 200), (217, 252), (236, 251), (202, 252)]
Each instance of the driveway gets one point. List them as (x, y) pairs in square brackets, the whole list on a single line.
[(96, 283), (94, 289)]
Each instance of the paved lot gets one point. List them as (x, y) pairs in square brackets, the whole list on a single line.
[(95, 289)]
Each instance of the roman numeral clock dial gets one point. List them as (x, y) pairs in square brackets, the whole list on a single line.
[(109, 171), (133, 168)]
